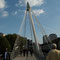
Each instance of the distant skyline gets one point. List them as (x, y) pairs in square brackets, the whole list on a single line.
[(47, 12)]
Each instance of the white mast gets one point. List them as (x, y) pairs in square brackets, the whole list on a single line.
[(33, 27)]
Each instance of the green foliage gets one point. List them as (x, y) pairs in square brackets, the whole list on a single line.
[(4, 43), (11, 38), (22, 42)]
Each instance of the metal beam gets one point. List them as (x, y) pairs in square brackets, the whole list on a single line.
[(28, 6), (34, 32)]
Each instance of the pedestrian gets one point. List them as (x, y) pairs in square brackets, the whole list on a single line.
[(31, 51), (0, 54), (54, 54), (24, 52), (21, 52), (27, 51), (6, 55)]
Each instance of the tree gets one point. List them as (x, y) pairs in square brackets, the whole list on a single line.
[(11, 38), (4, 43)]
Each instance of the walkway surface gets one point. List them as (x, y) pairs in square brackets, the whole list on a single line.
[(25, 58)]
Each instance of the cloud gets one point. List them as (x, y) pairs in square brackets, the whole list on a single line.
[(31, 2), (4, 14), (19, 11), (35, 2), (38, 12), (2, 4), (15, 12), (20, 3)]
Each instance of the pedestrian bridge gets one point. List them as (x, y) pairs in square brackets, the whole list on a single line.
[(38, 54)]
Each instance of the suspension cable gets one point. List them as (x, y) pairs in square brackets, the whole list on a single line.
[(47, 39), (31, 30), (32, 39), (20, 30), (42, 30), (38, 49)]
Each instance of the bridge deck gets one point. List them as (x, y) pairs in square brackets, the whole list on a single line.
[(25, 58)]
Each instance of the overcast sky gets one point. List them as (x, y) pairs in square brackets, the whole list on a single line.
[(47, 12)]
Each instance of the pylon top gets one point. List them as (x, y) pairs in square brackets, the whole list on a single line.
[(28, 6)]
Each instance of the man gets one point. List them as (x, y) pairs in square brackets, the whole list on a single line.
[(7, 55), (0, 54), (54, 54), (31, 51)]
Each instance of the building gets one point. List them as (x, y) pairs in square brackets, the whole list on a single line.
[(47, 46), (1, 34), (45, 39), (52, 36), (57, 41)]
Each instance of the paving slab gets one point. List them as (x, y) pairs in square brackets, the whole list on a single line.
[(25, 58)]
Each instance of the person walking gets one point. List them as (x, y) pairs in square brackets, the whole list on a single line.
[(54, 54), (6, 55), (24, 52), (0, 54), (27, 51), (31, 51), (21, 52)]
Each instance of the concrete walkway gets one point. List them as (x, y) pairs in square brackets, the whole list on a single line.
[(25, 58)]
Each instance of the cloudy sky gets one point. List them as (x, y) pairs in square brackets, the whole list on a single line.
[(47, 12)]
